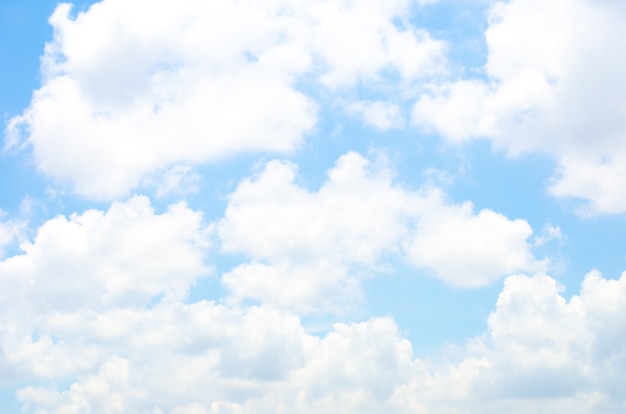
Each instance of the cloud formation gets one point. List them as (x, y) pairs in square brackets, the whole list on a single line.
[(310, 248), (553, 84), (107, 309), (132, 89), (540, 351), (127, 257)]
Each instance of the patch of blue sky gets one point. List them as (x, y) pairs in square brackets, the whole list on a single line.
[(518, 188), (8, 402), (461, 24), (24, 30), (430, 313)]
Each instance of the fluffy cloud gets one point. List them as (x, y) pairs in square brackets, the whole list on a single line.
[(312, 247), (469, 249), (128, 256), (139, 347), (356, 43), (336, 221), (341, 370), (554, 85), (95, 314), (139, 87), (541, 352), (312, 241)]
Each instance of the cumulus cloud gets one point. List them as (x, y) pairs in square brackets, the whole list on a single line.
[(543, 352), (465, 248), (95, 314), (98, 299), (335, 221), (143, 86), (313, 241), (321, 373), (312, 247), (540, 352), (553, 85), (128, 256)]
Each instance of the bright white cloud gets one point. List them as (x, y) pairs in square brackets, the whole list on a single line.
[(601, 182), (311, 248), (354, 216), (554, 85), (127, 256), (136, 87), (465, 248), (65, 312), (357, 39), (301, 286), (95, 311), (354, 368), (540, 352), (311, 243)]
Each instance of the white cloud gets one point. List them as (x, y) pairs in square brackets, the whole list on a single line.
[(554, 85), (136, 87), (304, 287), (94, 312), (354, 216), (65, 314), (353, 368), (10, 231), (601, 182), (471, 249), (541, 352), (128, 256), (309, 249), (357, 364), (357, 39), (307, 246), (380, 115), (108, 391)]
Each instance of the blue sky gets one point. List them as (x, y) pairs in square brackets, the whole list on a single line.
[(409, 206)]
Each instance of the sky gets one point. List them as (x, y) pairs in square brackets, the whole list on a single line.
[(279, 206)]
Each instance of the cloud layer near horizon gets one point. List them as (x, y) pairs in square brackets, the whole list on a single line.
[(539, 348), (102, 296)]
